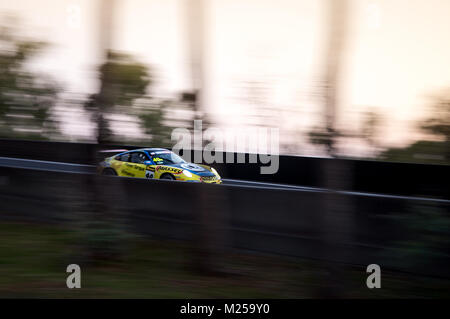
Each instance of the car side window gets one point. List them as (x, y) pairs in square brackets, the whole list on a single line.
[(138, 157), (124, 157)]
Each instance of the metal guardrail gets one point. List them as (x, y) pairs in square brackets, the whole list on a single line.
[(363, 176), (90, 169)]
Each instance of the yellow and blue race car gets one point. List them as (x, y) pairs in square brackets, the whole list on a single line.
[(158, 163)]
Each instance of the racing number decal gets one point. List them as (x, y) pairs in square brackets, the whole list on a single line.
[(150, 172)]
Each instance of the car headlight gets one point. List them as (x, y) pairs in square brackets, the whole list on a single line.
[(187, 173)]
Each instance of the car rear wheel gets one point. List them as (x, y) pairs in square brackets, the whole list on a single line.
[(109, 171)]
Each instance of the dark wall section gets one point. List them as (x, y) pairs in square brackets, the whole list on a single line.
[(363, 176), (394, 233), (77, 153)]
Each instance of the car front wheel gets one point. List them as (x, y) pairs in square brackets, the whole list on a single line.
[(167, 177)]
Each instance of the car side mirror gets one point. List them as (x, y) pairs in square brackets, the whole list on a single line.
[(148, 162)]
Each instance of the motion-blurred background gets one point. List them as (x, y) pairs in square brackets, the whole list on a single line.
[(343, 81), (253, 63)]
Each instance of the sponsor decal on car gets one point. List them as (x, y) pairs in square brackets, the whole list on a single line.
[(172, 170), (124, 172), (169, 169), (135, 166), (192, 167)]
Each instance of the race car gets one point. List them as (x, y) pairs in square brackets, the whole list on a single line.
[(157, 163)]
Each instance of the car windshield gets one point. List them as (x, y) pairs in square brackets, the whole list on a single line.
[(164, 158)]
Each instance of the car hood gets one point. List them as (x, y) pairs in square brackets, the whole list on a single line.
[(194, 169)]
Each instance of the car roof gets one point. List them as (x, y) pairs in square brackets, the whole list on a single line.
[(148, 149), (151, 149)]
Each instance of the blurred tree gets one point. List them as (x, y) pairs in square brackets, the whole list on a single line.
[(196, 11), (439, 125), (124, 83), (337, 210), (327, 134), (25, 98), (123, 89), (206, 246), (195, 20), (430, 152), (123, 80), (337, 27), (325, 137), (435, 150), (153, 115), (371, 123)]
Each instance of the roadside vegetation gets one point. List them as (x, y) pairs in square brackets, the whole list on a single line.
[(33, 261)]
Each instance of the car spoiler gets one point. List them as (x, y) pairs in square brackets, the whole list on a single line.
[(112, 152)]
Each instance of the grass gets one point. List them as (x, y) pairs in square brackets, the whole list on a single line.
[(33, 261)]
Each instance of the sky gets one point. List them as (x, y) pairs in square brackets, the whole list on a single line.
[(396, 56)]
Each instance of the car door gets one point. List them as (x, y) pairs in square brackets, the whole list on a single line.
[(152, 169), (137, 164), (119, 164)]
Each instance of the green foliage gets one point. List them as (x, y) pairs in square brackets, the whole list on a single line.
[(371, 123), (123, 79), (25, 98), (439, 123), (324, 137), (152, 116), (422, 151), (327, 136), (433, 151), (159, 118), (429, 225), (33, 260)]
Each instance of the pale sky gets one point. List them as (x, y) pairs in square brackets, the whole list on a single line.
[(396, 55)]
